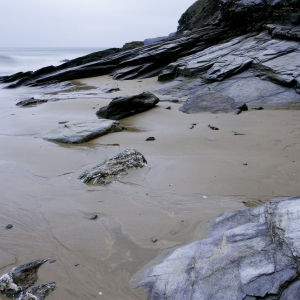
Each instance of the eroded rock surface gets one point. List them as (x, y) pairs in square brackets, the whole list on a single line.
[(114, 168), (249, 254), (17, 282), (122, 107), (81, 132), (31, 101)]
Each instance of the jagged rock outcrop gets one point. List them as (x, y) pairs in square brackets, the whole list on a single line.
[(31, 101), (17, 282), (114, 168), (250, 254), (81, 132), (122, 107)]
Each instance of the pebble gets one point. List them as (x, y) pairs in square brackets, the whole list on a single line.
[(93, 217), (151, 138), (9, 226), (51, 261)]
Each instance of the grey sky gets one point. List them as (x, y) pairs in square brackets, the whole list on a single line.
[(86, 23)]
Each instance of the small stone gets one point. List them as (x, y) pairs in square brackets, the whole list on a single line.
[(93, 217), (76, 265), (169, 107), (154, 240), (9, 226), (151, 138), (258, 108), (245, 164), (51, 261)]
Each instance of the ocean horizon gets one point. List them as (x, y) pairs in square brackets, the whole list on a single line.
[(22, 59)]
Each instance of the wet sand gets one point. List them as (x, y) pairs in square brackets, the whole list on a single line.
[(193, 175)]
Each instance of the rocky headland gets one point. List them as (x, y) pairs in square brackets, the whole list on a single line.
[(227, 56)]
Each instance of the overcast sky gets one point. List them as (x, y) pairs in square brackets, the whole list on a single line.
[(86, 23)]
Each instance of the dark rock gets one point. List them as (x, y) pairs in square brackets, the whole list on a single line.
[(15, 283), (154, 40), (114, 168), (169, 107), (154, 240), (122, 107), (9, 226), (93, 217), (151, 138), (258, 108), (81, 132), (31, 101), (111, 90), (249, 254), (236, 133)]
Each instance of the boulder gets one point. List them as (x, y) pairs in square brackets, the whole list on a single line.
[(249, 254), (81, 132), (17, 282), (114, 168), (213, 102), (122, 107)]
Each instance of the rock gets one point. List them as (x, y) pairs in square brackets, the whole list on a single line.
[(9, 226), (114, 168), (93, 217), (151, 138), (133, 45), (81, 132), (209, 101), (213, 127), (249, 254), (122, 107), (111, 90), (15, 283), (31, 101)]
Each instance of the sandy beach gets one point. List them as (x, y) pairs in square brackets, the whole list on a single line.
[(193, 175)]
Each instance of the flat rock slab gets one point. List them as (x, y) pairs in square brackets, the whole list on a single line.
[(250, 254), (114, 168), (31, 101), (81, 132), (122, 107), (213, 102)]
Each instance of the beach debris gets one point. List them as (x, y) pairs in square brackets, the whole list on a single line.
[(169, 107), (205, 197), (154, 240), (150, 138), (257, 108), (63, 122), (245, 164), (255, 249), (17, 282), (9, 226), (94, 217), (76, 265), (100, 293), (212, 127), (122, 107), (81, 132), (31, 101), (236, 133), (114, 168)]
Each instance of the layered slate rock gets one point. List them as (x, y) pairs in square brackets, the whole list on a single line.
[(31, 101), (81, 132), (213, 102), (122, 107), (114, 168), (18, 283), (250, 254)]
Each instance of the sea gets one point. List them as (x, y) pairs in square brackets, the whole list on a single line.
[(13, 60)]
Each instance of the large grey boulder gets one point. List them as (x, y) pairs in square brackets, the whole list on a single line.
[(250, 254), (114, 168), (17, 282), (213, 102), (81, 132), (122, 107)]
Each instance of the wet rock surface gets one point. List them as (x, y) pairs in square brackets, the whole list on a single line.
[(122, 107), (210, 101), (31, 101), (17, 282), (249, 254), (81, 132), (114, 168)]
